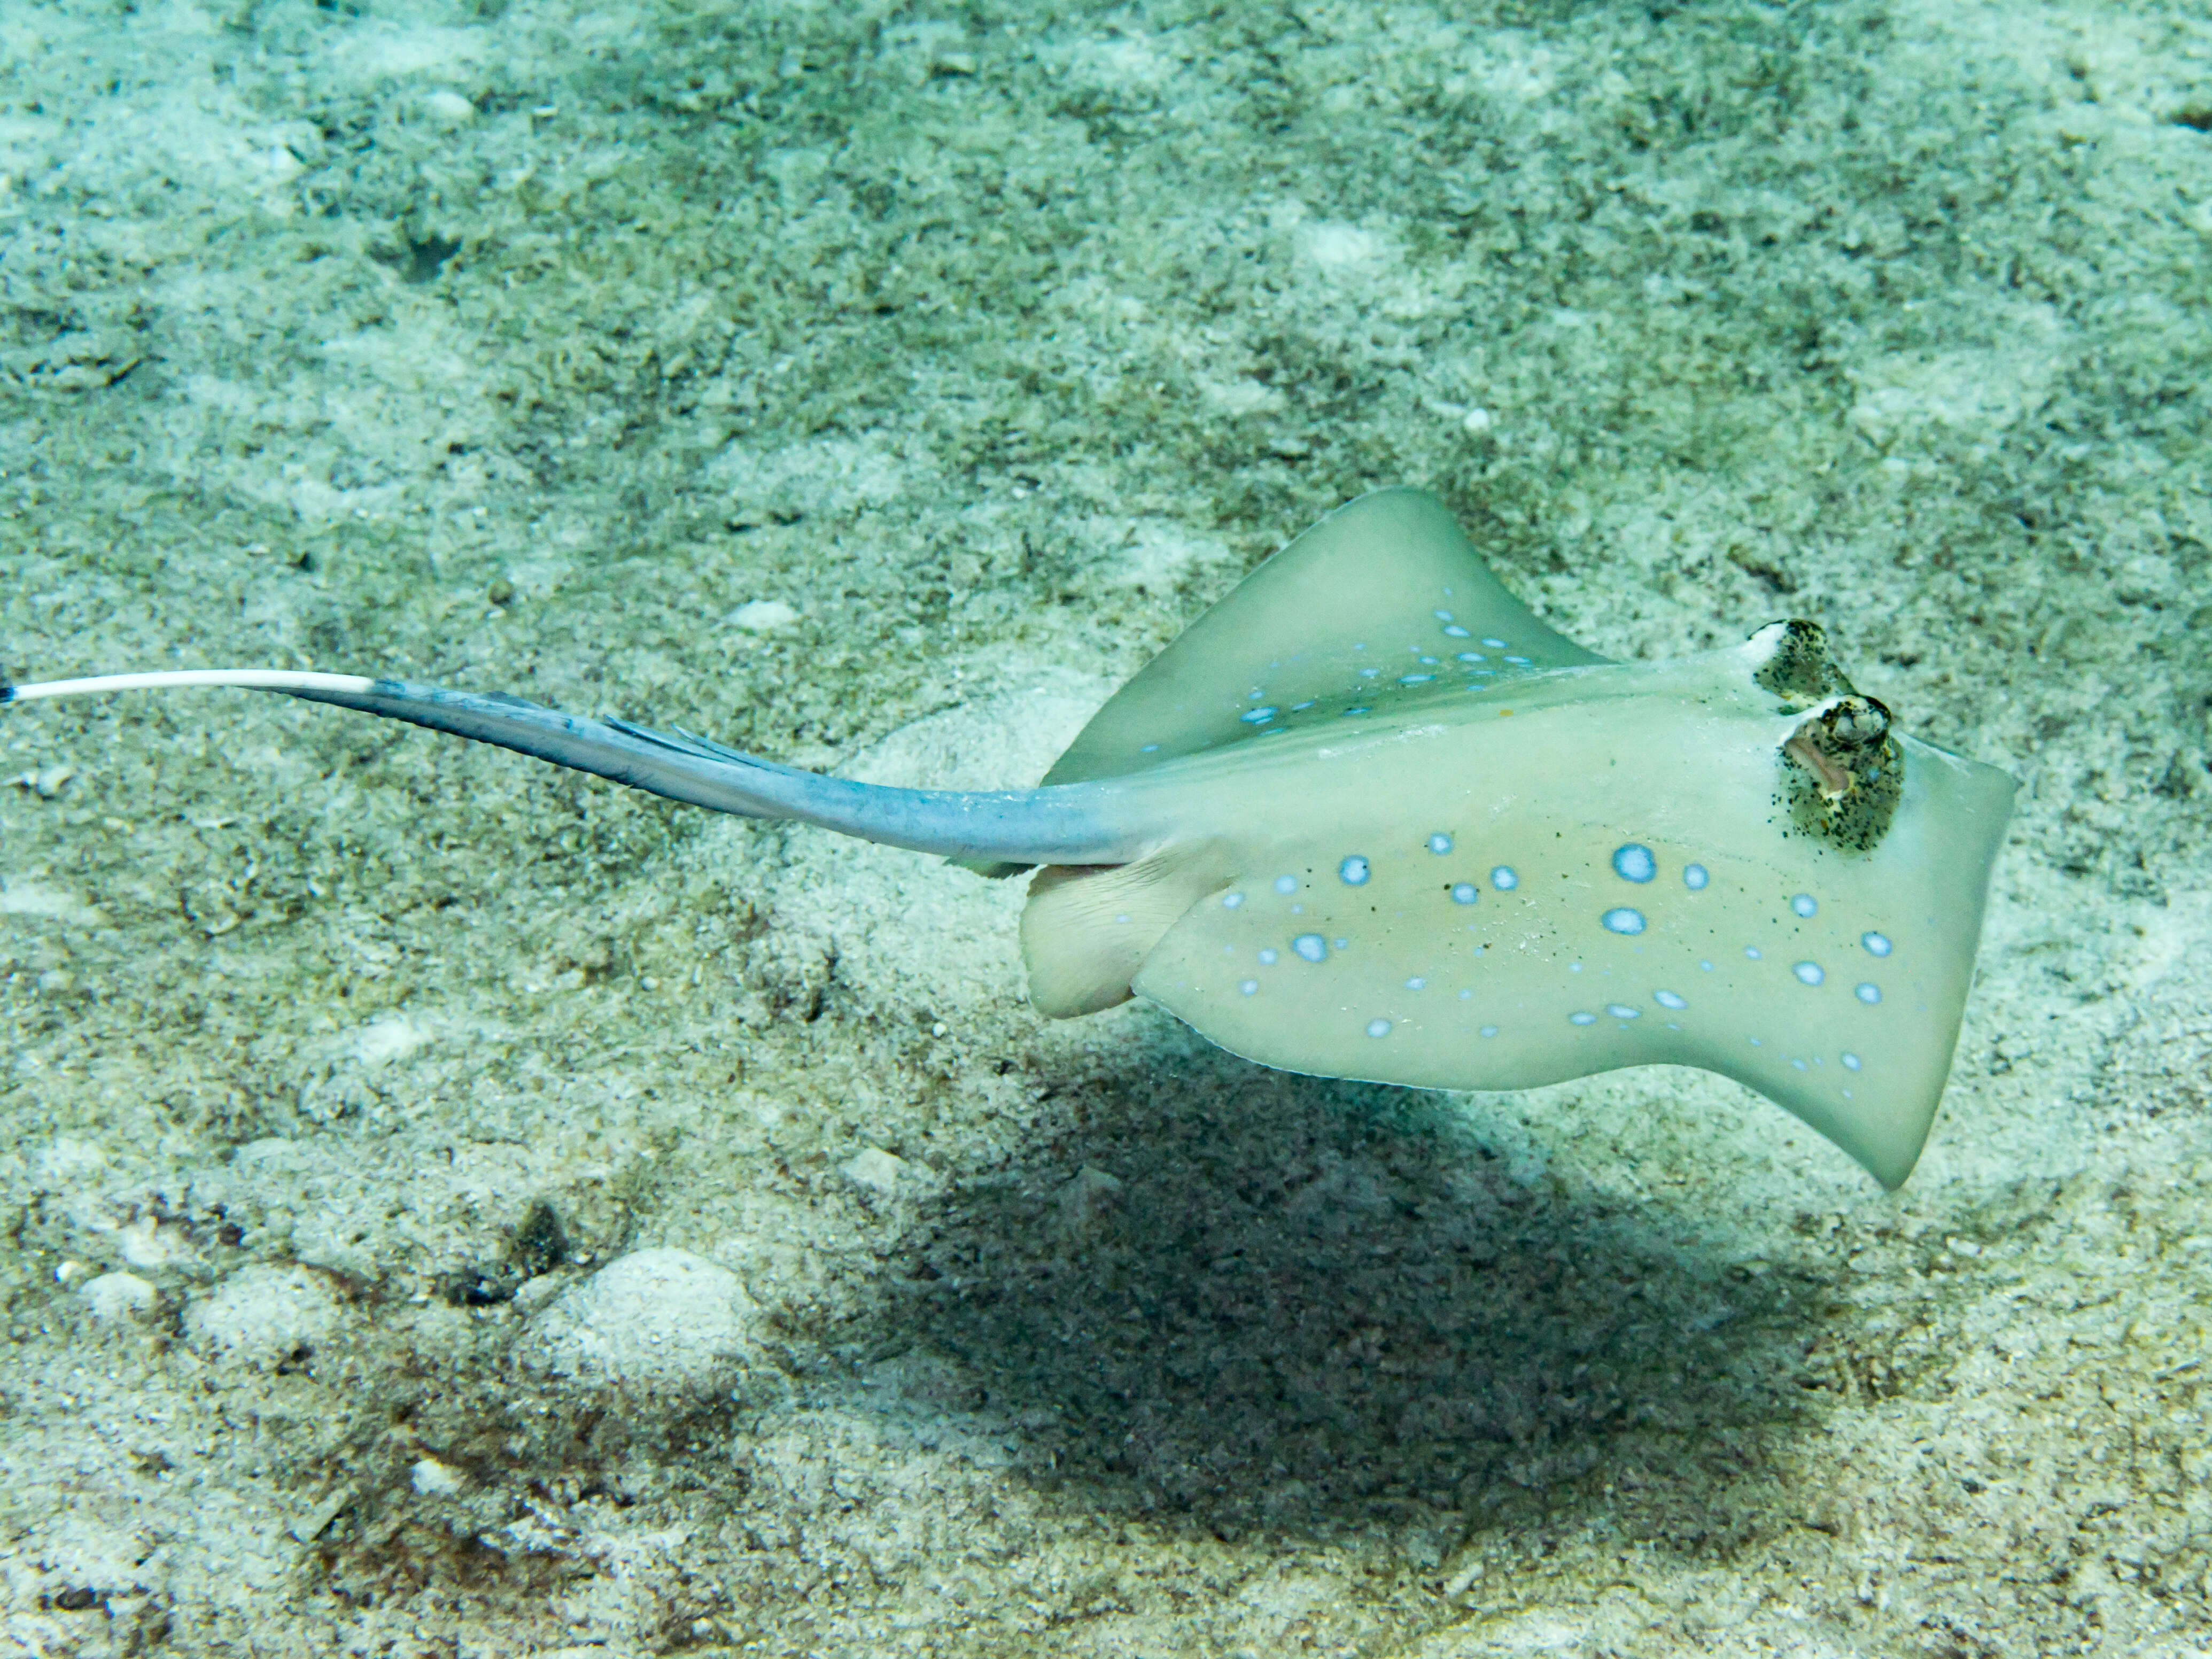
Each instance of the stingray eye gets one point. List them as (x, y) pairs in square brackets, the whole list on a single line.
[(1795, 664), (1842, 772)]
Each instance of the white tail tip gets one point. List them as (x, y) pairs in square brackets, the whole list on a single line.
[(262, 679)]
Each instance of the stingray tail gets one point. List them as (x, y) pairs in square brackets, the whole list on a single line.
[(1081, 824)]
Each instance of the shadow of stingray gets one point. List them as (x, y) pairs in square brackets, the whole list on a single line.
[(1260, 1301)]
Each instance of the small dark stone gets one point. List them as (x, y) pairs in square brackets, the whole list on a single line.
[(541, 1244), (476, 1290)]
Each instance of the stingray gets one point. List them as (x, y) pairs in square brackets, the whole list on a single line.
[(1369, 818)]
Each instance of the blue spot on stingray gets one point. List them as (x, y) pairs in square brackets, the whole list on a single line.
[(1803, 904), (1353, 873), (1456, 632), (1310, 946), (1582, 1019), (1487, 1031), (1504, 879), (1634, 862), (1465, 892), (1752, 951), (1378, 1028), (1417, 983), (1344, 944), (1286, 883), (1707, 966), (1851, 1061), (1869, 993), (1443, 615), (1248, 986), (1495, 645), (1440, 843), (1268, 957), (1428, 662), (1809, 972), (1255, 716), (1694, 877), (1415, 679), (1300, 707), (1623, 920), (1471, 656), (1670, 999), (1230, 901), (1519, 662), (1877, 945), (1622, 1011), (1359, 711), (1148, 748), (1369, 673), (1798, 1064)]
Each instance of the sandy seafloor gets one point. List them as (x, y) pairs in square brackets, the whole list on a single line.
[(874, 387)]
